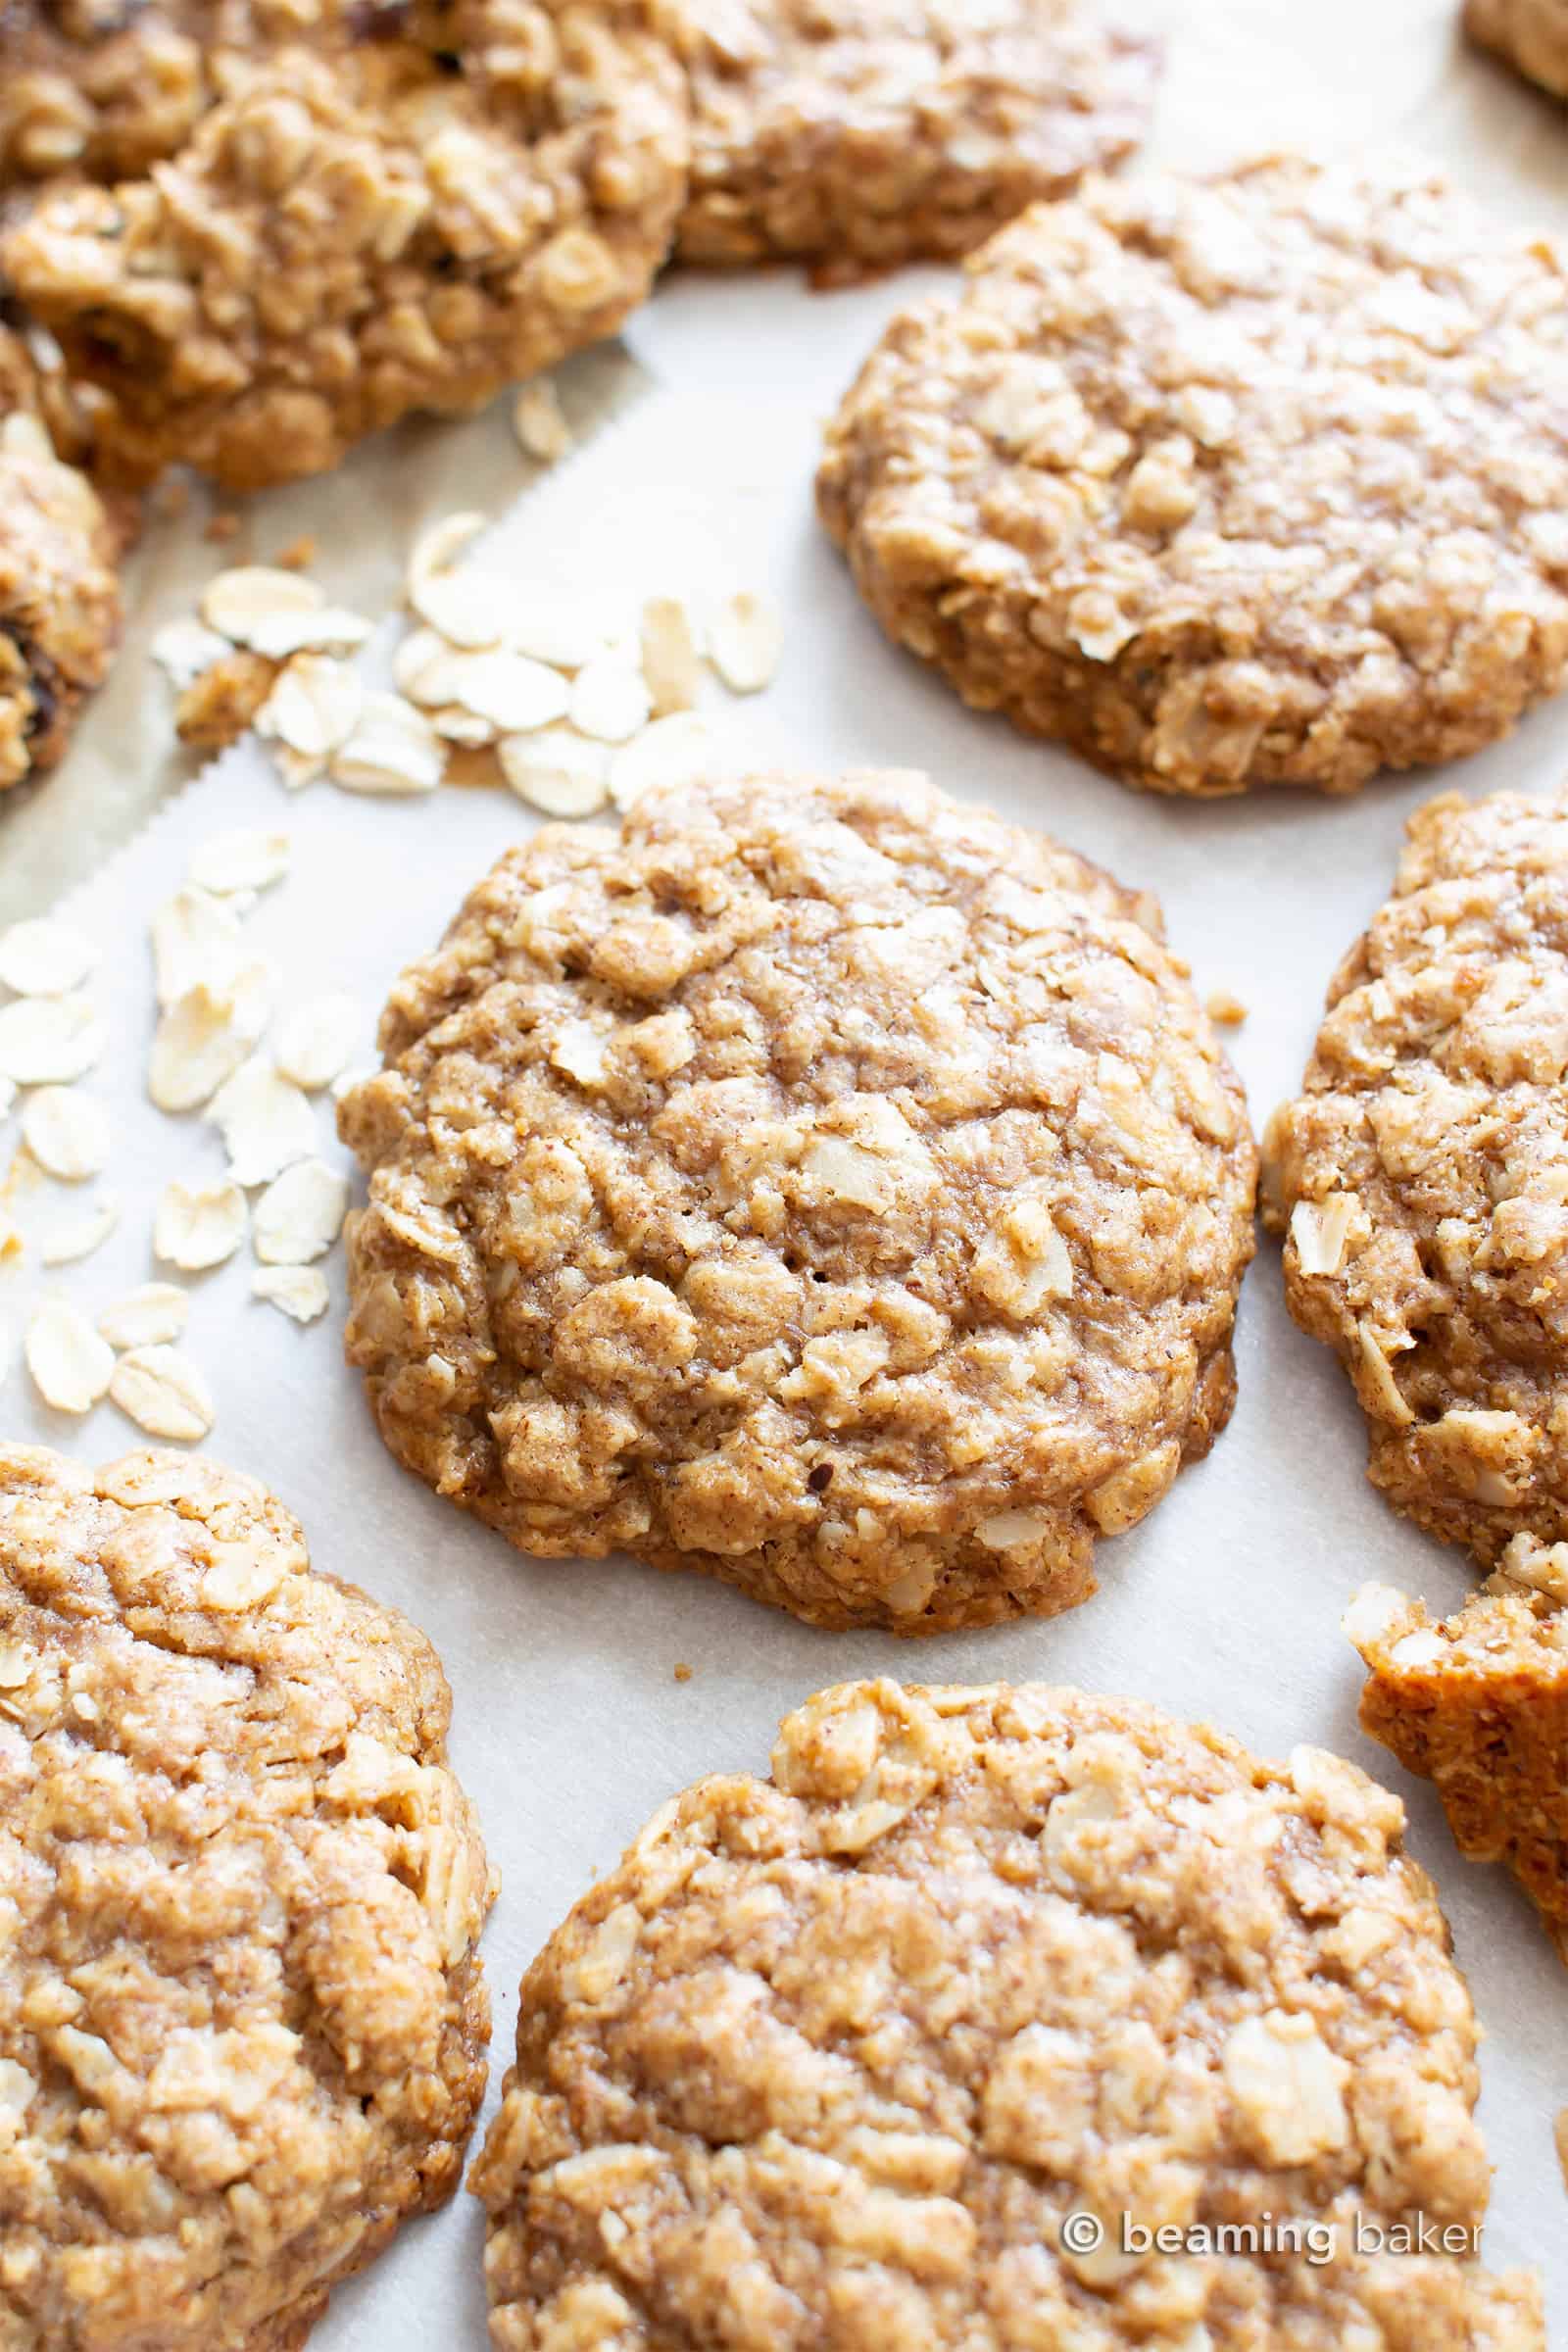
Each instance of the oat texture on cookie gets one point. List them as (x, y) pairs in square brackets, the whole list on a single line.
[(861, 133), (821, 1185), (1478, 1703), (1421, 1177), (58, 596), (363, 225), (1532, 35), (242, 2019), (1230, 483), (831, 2058)]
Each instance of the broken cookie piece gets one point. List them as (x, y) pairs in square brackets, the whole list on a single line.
[(1478, 1704)]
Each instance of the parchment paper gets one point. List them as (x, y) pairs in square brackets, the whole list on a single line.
[(570, 1724)]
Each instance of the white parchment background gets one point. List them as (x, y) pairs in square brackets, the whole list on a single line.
[(570, 1724)]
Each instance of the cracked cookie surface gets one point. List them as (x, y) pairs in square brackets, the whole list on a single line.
[(1531, 35), (821, 1185), (1478, 1703), (831, 2057), (60, 608), (1242, 482), (859, 133), (242, 2019), (1421, 1177), (360, 228)]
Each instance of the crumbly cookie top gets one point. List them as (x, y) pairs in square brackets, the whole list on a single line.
[(863, 132), (241, 2020), (1245, 481), (362, 228), (1423, 1174), (830, 2058), (821, 1184)]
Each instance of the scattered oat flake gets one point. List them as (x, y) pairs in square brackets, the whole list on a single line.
[(464, 731), (333, 631), (71, 1365), (147, 1317), (186, 648), (49, 1041), (203, 1040), (296, 769), (197, 943), (300, 1215), (670, 661), (161, 1390), (673, 750), (248, 858), (610, 700), (540, 424), (313, 1041), (393, 749), (440, 544), (198, 1225), (416, 654), (565, 631), (235, 601), (68, 1242), (745, 640), (264, 1119), (314, 707), (300, 1291), (558, 773), (67, 1133), (42, 957), (469, 606), (513, 693), (1227, 1011)]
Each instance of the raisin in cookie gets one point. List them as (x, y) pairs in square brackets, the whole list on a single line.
[(858, 133), (847, 2058), (242, 2020), (1531, 35), (822, 1185), (1421, 1178), (59, 610), (367, 227), (1250, 481), (1479, 1705)]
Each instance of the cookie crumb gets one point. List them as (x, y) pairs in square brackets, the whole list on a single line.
[(683, 1673), (222, 528), (1227, 1011), (298, 556)]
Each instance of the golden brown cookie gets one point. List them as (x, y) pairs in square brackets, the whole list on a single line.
[(242, 2019), (1250, 481), (366, 226), (918, 2042), (1478, 1704), (1421, 1178), (859, 133), (59, 610), (821, 1185), (1532, 35)]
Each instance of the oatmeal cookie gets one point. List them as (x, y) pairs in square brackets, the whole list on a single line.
[(831, 2058), (242, 2019), (59, 595), (367, 227), (822, 1185), (1479, 1705), (859, 133), (1421, 1178), (1257, 481), (1532, 35)]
